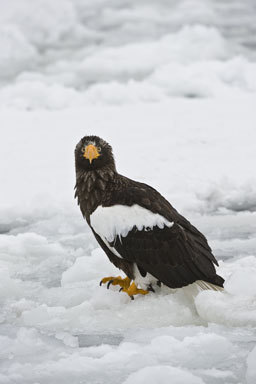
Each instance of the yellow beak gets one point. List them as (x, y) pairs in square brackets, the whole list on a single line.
[(91, 152)]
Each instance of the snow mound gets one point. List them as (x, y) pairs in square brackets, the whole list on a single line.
[(177, 64), (162, 374), (227, 196), (251, 369), (222, 308)]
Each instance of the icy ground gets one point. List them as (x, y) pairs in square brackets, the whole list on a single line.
[(172, 86)]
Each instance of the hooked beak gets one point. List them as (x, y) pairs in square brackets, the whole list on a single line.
[(91, 152)]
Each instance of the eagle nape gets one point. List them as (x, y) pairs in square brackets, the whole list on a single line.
[(139, 230)]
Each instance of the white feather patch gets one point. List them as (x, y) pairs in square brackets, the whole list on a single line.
[(141, 281), (204, 285), (112, 249), (119, 220), (192, 290)]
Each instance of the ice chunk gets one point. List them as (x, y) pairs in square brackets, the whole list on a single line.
[(225, 308), (251, 367), (163, 375)]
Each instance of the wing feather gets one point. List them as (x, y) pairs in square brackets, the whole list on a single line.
[(168, 257), (178, 255)]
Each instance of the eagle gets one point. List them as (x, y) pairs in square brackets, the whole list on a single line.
[(139, 230)]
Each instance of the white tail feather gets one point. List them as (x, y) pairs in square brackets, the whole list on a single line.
[(198, 286), (205, 285)]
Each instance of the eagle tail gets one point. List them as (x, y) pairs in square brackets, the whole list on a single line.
[(204, 285)]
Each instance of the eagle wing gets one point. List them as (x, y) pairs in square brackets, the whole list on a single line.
[(172, 250), (170, 254)]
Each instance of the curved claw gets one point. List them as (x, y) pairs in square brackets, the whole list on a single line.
[(134, 290), (124, 283), (110, 282), (120, 289)]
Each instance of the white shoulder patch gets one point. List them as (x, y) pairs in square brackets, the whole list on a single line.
[(119, 220)]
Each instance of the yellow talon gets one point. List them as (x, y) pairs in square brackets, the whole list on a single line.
[(123, 283), (133, 290)]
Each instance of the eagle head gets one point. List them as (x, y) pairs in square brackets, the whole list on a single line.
[(93, 153)]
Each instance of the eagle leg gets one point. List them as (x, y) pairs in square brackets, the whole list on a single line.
[(133, 290), (123, 283)]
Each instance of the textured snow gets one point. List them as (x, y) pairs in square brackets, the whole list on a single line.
[(112, 52), (162, 374), (119, 220), (171, 85), (251, 370)]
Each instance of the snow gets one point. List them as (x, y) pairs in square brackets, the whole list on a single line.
[(251, 371), (171, 86), (119, 220), (162, 374)]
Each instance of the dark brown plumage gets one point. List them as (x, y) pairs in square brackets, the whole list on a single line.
[(176, 254)]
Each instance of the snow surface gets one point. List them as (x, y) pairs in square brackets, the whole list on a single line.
[(172, 86)]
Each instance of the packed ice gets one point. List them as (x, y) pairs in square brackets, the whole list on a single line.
[(172, 87)]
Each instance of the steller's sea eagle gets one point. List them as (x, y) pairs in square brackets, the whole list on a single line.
[(138, 229)]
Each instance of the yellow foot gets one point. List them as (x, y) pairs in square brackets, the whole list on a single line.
[(124, 283), (133, 290)]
